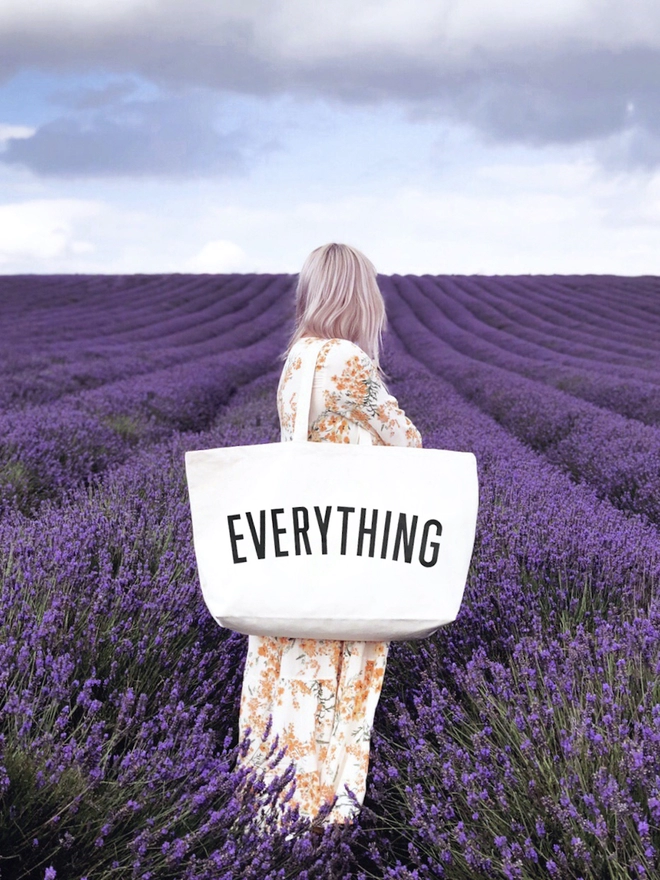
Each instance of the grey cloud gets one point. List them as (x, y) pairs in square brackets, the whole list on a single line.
[(635, 148), (606, 98), (557, 95), (90, 98), (570, 97), (166, 137), (567, 97), (551, 89)]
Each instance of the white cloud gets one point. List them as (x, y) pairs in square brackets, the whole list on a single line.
[(14, 131), (44, 229), (559, 217), (442, 31), (38, 13), (294, 28), (217, 256)]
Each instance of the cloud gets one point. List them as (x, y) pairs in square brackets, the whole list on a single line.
[(217, 256), (173, 136), (44, 229), (551, 217), (89, 98), (560, 72), (556, 216), (14, 131)]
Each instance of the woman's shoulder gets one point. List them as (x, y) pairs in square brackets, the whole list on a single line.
[(336, 346), (335, 356)]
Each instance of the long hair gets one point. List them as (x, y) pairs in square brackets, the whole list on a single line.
[(337, 296)]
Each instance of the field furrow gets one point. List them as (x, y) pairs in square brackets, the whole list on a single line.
[(520, 741)]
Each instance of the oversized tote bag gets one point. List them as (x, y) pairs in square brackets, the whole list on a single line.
[(329, 540)]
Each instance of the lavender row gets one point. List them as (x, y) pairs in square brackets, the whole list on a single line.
[(257, 317), (619, 457), (118, 745), (82, 366), (45, 451), (639, 293), (490, 310), (136, 657), (207, 311), (182, 303), (84, 308), (32, 305), (557, 537), (549, 558), (95, 336), (525, 742), (545, 310), (629, 391), (544, 766)]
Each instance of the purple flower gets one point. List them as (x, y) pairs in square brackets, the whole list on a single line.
[(492, 743)]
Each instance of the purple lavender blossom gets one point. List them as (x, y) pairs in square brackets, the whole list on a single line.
[(519, 742)]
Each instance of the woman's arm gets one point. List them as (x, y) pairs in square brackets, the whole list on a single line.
[(358, 394)]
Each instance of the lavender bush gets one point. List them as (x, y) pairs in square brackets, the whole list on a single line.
[(519, 742), (620, 457), (495, 323)]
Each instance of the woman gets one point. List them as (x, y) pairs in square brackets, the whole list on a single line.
[(320, 696)]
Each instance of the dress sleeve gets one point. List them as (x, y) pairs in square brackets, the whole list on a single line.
[(357, 393)]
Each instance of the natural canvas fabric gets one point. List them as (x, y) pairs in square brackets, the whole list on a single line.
[(343, 539)]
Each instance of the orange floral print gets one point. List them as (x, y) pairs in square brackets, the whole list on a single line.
[(347, 395), (322, 694)]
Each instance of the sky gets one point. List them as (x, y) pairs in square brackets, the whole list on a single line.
[(437, 136)]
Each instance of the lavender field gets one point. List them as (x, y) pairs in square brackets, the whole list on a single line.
[(521, 741)]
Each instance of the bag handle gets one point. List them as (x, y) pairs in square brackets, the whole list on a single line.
[(307, 371)]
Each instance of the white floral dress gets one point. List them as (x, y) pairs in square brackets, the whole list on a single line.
[(322, 694)]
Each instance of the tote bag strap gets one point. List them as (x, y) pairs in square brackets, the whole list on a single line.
[(307, 371)]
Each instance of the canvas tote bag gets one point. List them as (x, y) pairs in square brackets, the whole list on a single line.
[(332, 540)]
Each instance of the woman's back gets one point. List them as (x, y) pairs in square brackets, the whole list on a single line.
[(347, 397)]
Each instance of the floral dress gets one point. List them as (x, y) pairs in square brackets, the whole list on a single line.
[(322, 694)]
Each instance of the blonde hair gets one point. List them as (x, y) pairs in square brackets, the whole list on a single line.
[(337, 296)]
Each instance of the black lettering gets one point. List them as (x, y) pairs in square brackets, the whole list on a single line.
[(434, 544), (344, 526), (234, 538), (371, 531), (323, 527), (386, 533), (277, 531), (259, 540), (408, 541), (299, 530)]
